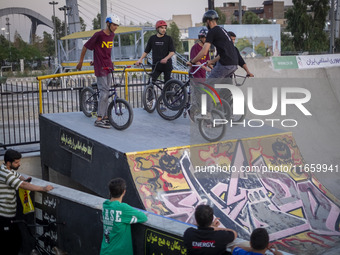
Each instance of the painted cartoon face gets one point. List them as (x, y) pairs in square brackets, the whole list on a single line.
[(170, 164), (281, 150)]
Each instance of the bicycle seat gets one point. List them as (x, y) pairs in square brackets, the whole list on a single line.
[(94, 85)]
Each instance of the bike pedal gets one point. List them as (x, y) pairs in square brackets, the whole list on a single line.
[(185, 115)]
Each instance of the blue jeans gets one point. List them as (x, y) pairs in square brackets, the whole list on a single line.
[(221, 71), (220, 74)]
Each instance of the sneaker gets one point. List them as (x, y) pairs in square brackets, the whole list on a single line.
[(107, 121), (102, 124)]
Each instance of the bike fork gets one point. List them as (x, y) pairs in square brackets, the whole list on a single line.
[(118, 108)]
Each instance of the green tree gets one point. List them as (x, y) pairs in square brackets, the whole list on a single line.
[(221, 15), (48, 44), (60, 28), (174, 32), (4, 49), (243, 43), (306, 21), (82, 24), (28, 52), (251, 18), (96, 22), (286, 43), (261, 48)]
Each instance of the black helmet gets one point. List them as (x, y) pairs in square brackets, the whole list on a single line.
[(210, 14), (202, 33)]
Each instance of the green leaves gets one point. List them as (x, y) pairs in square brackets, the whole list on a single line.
[(174, 32), (306, 21)]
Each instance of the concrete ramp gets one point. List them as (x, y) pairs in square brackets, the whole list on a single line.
[(167, 176), (298, 212)]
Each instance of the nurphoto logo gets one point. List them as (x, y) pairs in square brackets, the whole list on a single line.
[(238, 107)]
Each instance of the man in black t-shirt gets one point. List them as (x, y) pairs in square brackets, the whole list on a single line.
[(163, 49), (227, 59), (241, 61), (207, 238)]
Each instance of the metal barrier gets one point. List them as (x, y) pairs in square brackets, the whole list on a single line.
[(22, 102)]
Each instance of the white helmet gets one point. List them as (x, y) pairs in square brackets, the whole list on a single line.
[(112, 18)]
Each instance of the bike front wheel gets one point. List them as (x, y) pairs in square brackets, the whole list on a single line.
[(88, 101), (165, 112), (174, 94), (210, 130), (120, 114), (149, 98)]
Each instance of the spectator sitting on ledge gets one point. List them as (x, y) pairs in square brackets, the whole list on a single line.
[(259, 244)]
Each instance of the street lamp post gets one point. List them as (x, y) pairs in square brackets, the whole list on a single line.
[(9, 34), (65, 9), (332, 20), (54, 28), (240, 12), (9, 38)]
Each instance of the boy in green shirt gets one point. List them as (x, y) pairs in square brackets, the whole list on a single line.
[(117, 217)]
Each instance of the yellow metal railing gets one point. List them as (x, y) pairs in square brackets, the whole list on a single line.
[(127, 70)]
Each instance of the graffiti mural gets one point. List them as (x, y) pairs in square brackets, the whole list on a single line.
[(250, 183)]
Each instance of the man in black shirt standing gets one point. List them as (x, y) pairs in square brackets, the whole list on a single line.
[(163, 49), (241, 61), (207, 238), (227, 59)]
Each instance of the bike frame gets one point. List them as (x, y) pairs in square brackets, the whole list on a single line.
[(158, 82)]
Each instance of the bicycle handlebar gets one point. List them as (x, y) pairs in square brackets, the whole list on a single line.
[(240, 76), (199, 67), (149, 73)]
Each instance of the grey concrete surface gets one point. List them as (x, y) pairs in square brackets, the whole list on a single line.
[(149, 131)]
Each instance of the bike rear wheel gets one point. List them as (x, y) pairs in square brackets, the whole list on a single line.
[(174, 94), (165, 112), (208, 130), (120, 114), (225, 108), (149, 98), (88, 101)]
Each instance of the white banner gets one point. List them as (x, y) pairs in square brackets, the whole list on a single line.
[(318, 61)]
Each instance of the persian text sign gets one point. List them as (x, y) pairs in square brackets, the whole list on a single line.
[(76, 144), (318, 61)]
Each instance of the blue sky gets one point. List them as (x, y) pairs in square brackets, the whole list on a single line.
[(132, 10)]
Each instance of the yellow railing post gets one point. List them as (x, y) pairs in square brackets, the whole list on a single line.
[(40, 97), (126, 86), (51, 76)]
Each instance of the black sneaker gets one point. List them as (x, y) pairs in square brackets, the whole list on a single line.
[(102, 124), (107, 121)]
